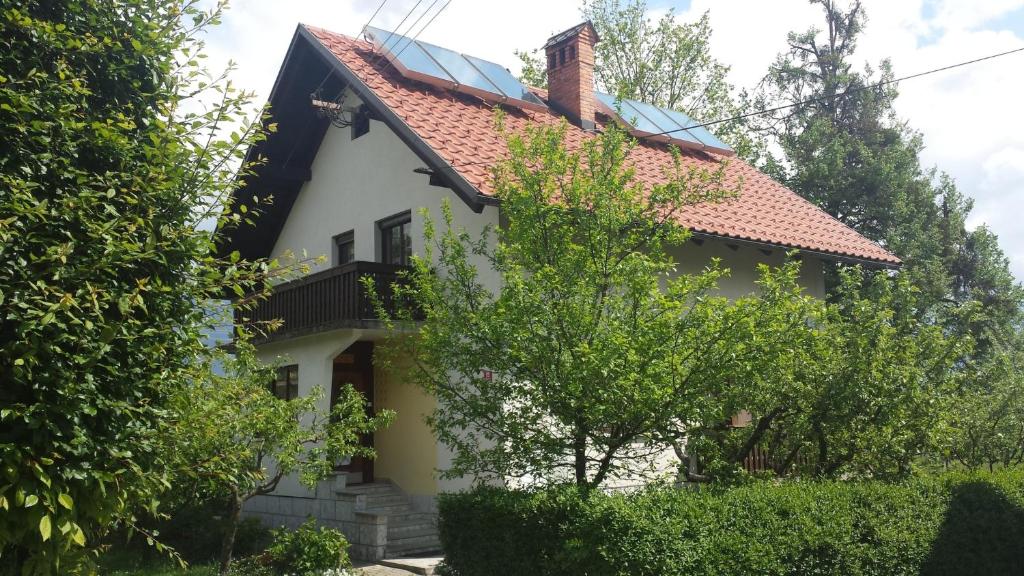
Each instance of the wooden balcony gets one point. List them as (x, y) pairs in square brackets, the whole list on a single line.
[(327, 300)]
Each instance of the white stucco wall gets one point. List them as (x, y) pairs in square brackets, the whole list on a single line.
[(742, 261), (355, 184)]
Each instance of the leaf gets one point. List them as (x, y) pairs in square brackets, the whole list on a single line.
[(65, 501), (45, 527), (78, 536), (31, 500)]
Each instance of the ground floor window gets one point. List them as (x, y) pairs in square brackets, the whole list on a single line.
[(286, 385)]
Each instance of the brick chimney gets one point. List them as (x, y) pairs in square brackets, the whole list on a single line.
[(570, 57)]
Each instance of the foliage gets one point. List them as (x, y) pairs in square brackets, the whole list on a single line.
[(534, 72), (114, 154), (194, 528), (233, 439), (845, 149), (956, 524), (308, 550), (862, 392), (594, 335), (986, 425), (663, 62)]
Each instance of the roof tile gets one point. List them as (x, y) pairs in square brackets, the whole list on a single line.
[(461, 130)]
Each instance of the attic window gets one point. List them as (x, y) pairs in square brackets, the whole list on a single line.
[(561, 55), (572, 52), (360, 122), (551, 61)]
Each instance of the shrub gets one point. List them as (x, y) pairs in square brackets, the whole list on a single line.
[(953, 524), (308, 550)]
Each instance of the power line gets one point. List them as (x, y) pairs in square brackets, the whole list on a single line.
[(392, 32), (840, 95), (424, 26), (811, 100), (375, 12), (413, 25)]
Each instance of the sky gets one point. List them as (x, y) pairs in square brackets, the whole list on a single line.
[(971, 118)]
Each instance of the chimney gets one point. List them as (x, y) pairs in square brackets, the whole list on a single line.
[(570, 57)]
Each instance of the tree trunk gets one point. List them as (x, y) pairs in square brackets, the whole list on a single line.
[(579, 446), (227, 545)]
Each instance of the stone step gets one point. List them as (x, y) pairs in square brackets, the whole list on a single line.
[(411, 531), (413, 546), (389, 509), (368, 489), (412, 518), (384, 499)]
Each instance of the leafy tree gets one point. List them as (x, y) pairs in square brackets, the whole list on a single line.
[(663, 62), (844, 148), (231, 437), (595, 355), (862, 391), (987, 420), (109, 162)]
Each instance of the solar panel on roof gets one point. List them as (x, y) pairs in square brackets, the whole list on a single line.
[(661, 123), (440, 66)]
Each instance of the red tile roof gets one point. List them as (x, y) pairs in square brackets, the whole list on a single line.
[(461, 130)]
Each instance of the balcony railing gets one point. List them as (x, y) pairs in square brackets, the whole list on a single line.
[(326, 300)]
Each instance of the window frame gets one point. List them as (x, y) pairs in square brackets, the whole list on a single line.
[(290, 380), (402, 221), (340, 240)]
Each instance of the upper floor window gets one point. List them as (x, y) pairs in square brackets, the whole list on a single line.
[(395, 239), (344, 248), (286, 384)]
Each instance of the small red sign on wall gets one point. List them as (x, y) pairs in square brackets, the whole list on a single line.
[(487, 375)]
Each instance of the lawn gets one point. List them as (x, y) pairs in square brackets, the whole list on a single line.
[(123, 563)]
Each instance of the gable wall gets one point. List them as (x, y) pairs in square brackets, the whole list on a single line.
[(356, 183)]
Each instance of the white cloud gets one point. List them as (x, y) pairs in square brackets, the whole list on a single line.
[(970, 118)]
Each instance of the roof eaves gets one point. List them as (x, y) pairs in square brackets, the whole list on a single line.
[(828, 255), (466, 191)]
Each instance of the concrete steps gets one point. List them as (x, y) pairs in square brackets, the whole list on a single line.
[(409, 533)]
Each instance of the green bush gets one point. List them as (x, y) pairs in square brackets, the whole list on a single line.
[(953, 524), (195, 532), (308, 550)]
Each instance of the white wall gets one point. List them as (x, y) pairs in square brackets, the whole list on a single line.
[(742, 261), (315, 357), (356, 183)]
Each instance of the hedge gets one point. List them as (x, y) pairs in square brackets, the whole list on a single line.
[(951, 524)]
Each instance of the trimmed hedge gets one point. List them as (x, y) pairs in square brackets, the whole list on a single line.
[(952, 524)]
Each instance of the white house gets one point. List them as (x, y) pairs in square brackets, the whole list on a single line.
[(369, 131)]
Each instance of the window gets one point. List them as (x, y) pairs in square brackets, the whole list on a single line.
[(344, 248), (286, 385), (395, 240)]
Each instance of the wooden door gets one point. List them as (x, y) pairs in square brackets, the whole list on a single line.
[(355, 366)]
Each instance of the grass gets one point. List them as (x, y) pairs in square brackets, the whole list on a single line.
[(125, 563)]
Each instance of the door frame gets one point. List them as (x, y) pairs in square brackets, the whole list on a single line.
[(362, 363)]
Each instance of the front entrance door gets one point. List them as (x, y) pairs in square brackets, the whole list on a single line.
[(355, 366)]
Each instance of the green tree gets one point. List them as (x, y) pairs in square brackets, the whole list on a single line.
[(862, 392), (595, 354), (663, 62), (107, 169), (987, 420), (845, 149), (231, 438)]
